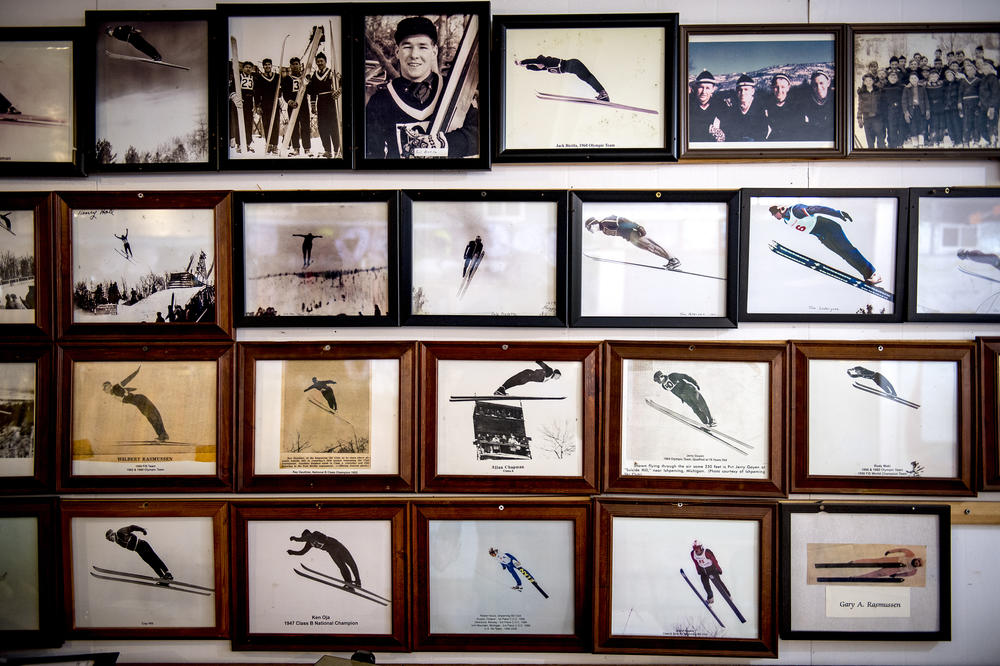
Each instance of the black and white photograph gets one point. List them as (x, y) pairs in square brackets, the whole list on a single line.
[(310, 261), (762, 92), (285, 75), (20, 577), (654, 259), (18, 385), (425, 87), (822, 255), (954, 255), (152, 106), (925, 90), (18, 287)]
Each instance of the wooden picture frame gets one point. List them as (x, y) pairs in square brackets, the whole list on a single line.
[(618, 240), (871, 51), (445, 237), (151, 91), (103, 586), (648, 449), (41, 127), (553, 450), (635, 540), (988, 355), (952, 255), (27, 282), (294, 611), (26, 369), (369, 373), (625, 110), (356, 264), (935, 386), (544, 545), (789, 78), (858, 268), (394, 129), (30, 611), (908, 545), (186, 388), (261, 33)]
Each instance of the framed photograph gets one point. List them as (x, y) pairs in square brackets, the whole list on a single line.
[(153, 417), (39, 133), (291, 111), (26, 264), (425, 85), (954, 255), (654, 259), (138, 262), (989, 411), (916, 90), (689, 578), (30, 599), (316, 258), (878, 572), (27, 411), (152, 93), (494, 412), (586, 87), (822, 255), (311, 576), (698, 437), (60, 659), (754, 92), (483, 258), (327, 417), (513, 577), (882, 417), (146, 568)]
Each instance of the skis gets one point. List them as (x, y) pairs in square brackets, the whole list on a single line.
[(491, 398), (883, 394), (978, 275), (277, 96), (524, 572), (467, 280), (701, 598), (119, 56), (589, 100), (237, 88), (659, 268), (822, 268), (724, 592), (722, 437), (859, 565), (123, 255), (329, 411), (461, 84), (10, 231), (308, 59), (151, 581), (857, 579), (30, 120), (341, 585)]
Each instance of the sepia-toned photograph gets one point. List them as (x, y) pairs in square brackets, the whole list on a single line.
[(20, 577), (18, 287), (854, 564), (17, 419)]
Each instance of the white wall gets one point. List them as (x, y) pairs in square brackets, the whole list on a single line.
[(975, 604)]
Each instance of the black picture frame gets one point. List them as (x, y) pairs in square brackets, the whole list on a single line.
[(763, 274), (988, 411), (309, 315), (658, 142), (40, 295), (470, 50), (28, 118), (43, 446), (947, 224), (281, 18), (670, 287), (49, 587), (865, 517), (551, 313)]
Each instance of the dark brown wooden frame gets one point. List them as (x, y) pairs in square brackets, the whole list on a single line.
[(396, 512), (39, 353), (41, 204), (579, 511), (764, 513), (50, 630), (221, 352), (402, 481), (218, 202), (588, 353), (763, 152), (130, 509), (959, 352), (772, 353), (989, 412)]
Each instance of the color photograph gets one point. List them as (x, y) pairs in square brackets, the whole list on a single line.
[(17, 419), (17, 267)]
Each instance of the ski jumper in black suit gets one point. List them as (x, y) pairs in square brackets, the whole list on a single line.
[(140, 402), (323, 87), (130, 35), (6, 106), (541, 374), (336, 550), (324, 387), (860, 372), (472, 250), (265, 89), (125, 538), (688, 391), (554, 65)]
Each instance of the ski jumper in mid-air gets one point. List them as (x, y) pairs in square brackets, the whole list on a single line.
[(554, 65), (472, 251), (634, 233), (126, 538), (129, 397), (126, 248), (541, 374), (902, 566), (859, 372), (324, 387), (336, 550), (6, 106), (707, 567), (823, 222), (5, 217), (688, 391), (510, 564), (307, 247), (981, 257), (133, 36)]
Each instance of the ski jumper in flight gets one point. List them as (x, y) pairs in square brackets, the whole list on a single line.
[(324, 387), (510, 564), (472, 251), (6, 221), (336, 550), (707, 567), (6, 106), (133, 36), (307, 247), (634, 233), (901, 566), (981, 257), (541, 374), (859, 372), (824, 223), (688, 391), (126, 538), (126, 248), (554, 65), (128, 396)]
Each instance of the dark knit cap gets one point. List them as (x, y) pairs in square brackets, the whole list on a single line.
[(416, 25)]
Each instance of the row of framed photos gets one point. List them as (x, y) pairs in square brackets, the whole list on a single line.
[(416, 85), (164, 265), (751, 419), (568, 575)]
